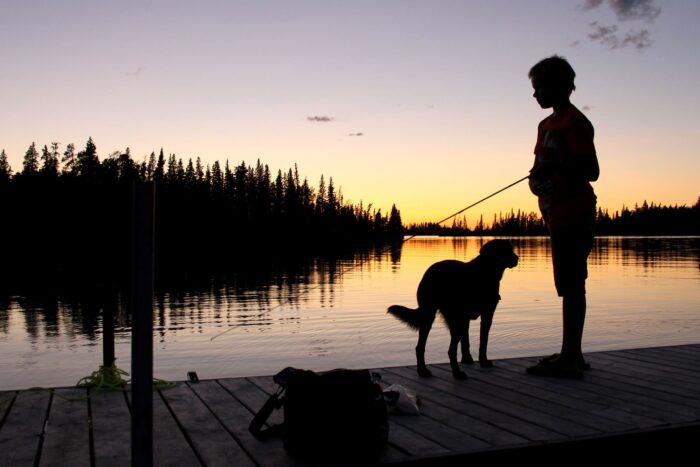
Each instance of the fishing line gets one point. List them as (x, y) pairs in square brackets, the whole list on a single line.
[(353, 266)]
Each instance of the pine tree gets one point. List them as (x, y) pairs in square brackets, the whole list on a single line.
[(87, 160), (321, 197), (68, 160), (5, 169), (31, 160), (395, 228), (49, 160)]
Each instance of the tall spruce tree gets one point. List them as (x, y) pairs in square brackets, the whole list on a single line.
[(5, 169), (31, 160)]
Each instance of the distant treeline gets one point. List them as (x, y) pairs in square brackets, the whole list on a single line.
[(648, 219), (68, 213)]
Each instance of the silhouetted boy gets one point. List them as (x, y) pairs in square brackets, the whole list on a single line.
[(565, 163)]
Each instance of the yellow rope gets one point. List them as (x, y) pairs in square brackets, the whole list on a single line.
[(106, 377)]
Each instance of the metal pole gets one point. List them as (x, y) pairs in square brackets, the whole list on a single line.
[(142, 327)]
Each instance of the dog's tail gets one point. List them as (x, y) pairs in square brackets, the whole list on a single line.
[(410, 316)]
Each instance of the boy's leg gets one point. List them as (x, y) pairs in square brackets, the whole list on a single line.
[(574, 316)]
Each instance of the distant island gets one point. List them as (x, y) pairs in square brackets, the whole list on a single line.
[(647, 219)]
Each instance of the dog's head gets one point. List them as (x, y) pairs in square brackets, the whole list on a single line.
[(500, 252)]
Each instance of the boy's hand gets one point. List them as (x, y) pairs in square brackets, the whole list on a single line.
[(546, 168)]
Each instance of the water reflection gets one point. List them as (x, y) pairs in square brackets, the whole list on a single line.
[(247, 296), (334, 309)]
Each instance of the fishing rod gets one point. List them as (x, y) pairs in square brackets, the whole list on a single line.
[(474, 204), (350, 268)]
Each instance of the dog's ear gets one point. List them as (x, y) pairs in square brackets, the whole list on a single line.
[(501, 249), (495, 247)]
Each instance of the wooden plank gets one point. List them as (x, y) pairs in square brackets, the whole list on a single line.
[(486, 409), (645, 411), (545, 413), (213, 443), (6, 400), (21, 433), (111, 428), (441, 434), (431, 408), (170, 446), (67, 435), (235, 418), (688, 349), (687, 352), (632, 393), (627, 391), (667, 359), (663, 358), (568, 394), (392, 453), (652, 377)]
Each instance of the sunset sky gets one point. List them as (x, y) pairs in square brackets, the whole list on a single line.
[(425, 104)]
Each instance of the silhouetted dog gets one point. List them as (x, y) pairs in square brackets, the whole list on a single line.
[(461, 292)]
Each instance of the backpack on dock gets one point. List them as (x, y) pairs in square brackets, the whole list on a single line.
[(339, 412)]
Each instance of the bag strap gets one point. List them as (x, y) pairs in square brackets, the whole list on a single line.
[(255, 427)]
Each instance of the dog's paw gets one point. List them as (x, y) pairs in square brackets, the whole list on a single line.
[(486, 364), (424, 372), (467, 360), (459, 375)]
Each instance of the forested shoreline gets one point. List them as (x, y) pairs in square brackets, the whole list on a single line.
[(645, 220), (67, 215)]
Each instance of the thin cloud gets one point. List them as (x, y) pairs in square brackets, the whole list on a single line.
[(138, 72), (320, 118), (625, 10), (608, 36)]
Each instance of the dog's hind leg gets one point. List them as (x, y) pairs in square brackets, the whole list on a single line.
[(455, 338), (427, 318), (466, 353)]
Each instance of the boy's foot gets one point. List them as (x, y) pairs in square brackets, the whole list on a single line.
[(582, 364), (554, 369)]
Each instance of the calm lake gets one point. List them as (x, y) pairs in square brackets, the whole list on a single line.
[(642, 292)]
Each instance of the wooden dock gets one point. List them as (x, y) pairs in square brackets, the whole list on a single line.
[(638, 402)]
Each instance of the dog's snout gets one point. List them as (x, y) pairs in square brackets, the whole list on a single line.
[(514, 261)]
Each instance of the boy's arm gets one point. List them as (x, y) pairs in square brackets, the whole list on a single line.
[(581, 161), (583, 166)]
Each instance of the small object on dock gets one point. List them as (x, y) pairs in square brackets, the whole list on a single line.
[(192, 377)]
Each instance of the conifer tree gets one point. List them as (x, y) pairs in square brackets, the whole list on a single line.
[(31, 160), (5, 169), (68, 160), (49, 160), (87, 160)]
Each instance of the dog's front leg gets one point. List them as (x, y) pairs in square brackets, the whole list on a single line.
[(466, 352), (455, 337), (486, 321)]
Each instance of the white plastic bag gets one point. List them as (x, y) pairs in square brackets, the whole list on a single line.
[(406, 401)]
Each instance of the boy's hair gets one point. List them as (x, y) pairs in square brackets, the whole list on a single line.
[(555, 70)]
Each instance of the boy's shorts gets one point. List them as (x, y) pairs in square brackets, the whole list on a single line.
[(570, 249)]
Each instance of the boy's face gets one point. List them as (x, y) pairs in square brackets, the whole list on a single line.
[(544, 93), (547, 93)]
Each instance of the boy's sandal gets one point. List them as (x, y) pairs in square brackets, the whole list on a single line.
[(583, 365), (554, 370)]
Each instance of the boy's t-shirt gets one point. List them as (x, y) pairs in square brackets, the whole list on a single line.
[(565, 195)]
